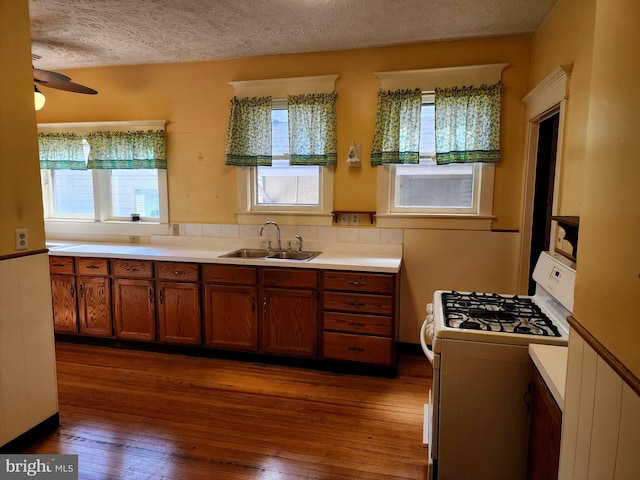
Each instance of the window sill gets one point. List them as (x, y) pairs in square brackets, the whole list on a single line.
[(286, 218), (91, 230), (434, 221)]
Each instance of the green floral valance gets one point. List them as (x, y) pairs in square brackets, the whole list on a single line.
[(127, 150), (249, 132), (467, 124), (312, 129), (61, 151)]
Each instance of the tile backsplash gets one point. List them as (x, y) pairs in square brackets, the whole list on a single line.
[(385, 236)]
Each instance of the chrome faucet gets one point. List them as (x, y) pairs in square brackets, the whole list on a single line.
[(271, 222), (299, 242)]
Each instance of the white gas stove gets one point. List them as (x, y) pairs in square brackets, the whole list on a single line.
[(477, 344)]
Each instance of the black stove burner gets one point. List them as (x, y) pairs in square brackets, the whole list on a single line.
[(496, 313)]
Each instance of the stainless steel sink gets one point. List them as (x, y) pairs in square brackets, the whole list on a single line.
[(300, 256), (260, 253), (247, 253)]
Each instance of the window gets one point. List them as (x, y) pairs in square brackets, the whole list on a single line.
[(281, 185), (103, 194), (430, 188), (293, 194), (426, 195)]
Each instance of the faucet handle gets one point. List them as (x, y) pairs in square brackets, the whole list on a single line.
[(268, 244)]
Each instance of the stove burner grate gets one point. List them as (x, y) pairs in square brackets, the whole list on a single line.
[(496, 313)]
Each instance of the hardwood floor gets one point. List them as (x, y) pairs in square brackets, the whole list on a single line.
[(139, 415)]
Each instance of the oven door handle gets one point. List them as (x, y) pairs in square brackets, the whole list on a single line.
[(423, 343)]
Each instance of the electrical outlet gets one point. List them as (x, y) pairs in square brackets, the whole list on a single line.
[(175, 229), (134, 239), (354, 219), (344, 219), (22, 239)]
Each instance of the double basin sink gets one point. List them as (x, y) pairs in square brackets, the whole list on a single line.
[(251, 253)]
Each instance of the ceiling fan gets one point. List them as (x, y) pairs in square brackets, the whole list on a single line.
[(55, 80)]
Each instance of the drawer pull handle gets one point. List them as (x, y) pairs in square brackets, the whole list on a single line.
[(132, 269), (356, 324), (161, 297), (81, 290), (356, 349), (93, 267), (356, 304), (150, 295), (179, 272), (58, 265), (357, 284), (73, 291)]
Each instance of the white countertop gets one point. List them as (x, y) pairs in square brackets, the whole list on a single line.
[(551, 362), (387, 262)]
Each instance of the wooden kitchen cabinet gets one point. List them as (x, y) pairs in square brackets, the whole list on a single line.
[(230, 307), (359, 317), (94, 297), (134, 299), (63, 294), (545, 427), (178, 303), (289, 312)]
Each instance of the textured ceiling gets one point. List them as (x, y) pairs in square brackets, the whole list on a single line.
[(85, 33)]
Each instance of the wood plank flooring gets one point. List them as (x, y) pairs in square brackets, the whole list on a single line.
[(140, 415)]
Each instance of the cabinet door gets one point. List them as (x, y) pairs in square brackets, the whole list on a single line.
[(290, 322), (545, 430), (231, 318), (134, 308), (63, 298), (179, 313), (94, 306)]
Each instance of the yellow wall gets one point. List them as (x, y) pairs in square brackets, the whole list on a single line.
[(608, 287), (194, 98), (20, 197), (601, 173), (566, 38)]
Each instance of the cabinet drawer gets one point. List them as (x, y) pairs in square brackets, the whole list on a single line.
[(229, 274), (61, 264), (358, 348), (132, 268), (358, 302), (177, 272), (355, 323), (92, 266), (359, 282), (288, 277)]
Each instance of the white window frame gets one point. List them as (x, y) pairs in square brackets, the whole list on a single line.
[(480, 216), (100, 222), (248, 212)]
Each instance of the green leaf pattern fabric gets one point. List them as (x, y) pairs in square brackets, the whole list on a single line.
[(467, 124), (312, 129), (61, 151), (397, 132), (249, 132), (127, 150)]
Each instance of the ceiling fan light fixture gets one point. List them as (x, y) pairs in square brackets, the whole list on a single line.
[(38, 98)]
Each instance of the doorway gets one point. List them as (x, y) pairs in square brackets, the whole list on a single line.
[(545, 173)]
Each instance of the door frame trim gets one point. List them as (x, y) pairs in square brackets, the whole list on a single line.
[(549, 96)]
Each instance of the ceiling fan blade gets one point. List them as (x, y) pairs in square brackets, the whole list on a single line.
[(47, 76), (69, 87)]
